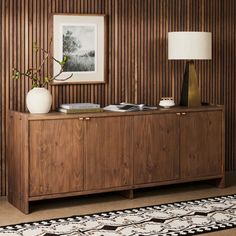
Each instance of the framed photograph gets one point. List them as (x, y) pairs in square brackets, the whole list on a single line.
[(82, 38)]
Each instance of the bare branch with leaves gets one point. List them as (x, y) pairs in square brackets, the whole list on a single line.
[(35, 73)]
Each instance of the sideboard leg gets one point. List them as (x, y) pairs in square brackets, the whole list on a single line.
[(25, 208), (219, 183), (127, 193)]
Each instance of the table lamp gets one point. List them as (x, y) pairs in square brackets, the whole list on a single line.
[(190, 46)]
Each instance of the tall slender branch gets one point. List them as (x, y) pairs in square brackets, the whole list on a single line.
[(35, 73)]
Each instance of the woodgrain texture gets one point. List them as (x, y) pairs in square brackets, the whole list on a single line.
[(156, 153), (138, 67), (200, 144), (56, 157), (61, 156), (18, 162), (108, 152)]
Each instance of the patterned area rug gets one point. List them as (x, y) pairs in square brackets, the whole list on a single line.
[(180, 218)]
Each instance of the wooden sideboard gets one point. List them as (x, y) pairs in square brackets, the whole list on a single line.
[(58, 155)]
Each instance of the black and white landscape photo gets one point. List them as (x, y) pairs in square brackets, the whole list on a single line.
[(79, 45)]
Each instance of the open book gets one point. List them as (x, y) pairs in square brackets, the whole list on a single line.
[(126, 107)]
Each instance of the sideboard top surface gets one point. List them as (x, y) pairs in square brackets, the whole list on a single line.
[(59, 115)]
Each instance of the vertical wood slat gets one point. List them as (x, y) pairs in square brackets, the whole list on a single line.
[(2, 180), (139, 70)]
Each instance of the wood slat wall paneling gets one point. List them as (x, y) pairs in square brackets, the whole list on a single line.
[(4, 65), (233, 76), (1, 74), (134, 52), (138, 66)]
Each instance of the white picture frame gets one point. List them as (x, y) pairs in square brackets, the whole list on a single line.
[(82, 39)]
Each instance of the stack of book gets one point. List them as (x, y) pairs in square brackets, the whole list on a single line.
[(71, 108)]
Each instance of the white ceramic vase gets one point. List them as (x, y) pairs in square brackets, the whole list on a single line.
[(39, 101)]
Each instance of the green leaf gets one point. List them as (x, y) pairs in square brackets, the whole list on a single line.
[(15, 74), (28, 72), (34, 85), (65, 58), (35, 47), (64, 61), (46, 80)]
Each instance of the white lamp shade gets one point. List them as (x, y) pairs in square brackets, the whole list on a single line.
[(189, 45)]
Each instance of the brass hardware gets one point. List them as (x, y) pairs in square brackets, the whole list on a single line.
[(178, 113), (183, 113), (86, 118), (190, 95)]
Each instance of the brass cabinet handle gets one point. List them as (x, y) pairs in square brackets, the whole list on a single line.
[(86, 118), (184, 113), (178, 113)]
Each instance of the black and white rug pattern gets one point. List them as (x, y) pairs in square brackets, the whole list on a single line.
[(180, 218)]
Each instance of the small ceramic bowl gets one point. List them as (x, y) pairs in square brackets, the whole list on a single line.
[(167, 102)]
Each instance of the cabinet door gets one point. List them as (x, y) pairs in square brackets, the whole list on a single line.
[(156, 148), (201, 144), (56, 156), (108, 150)]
